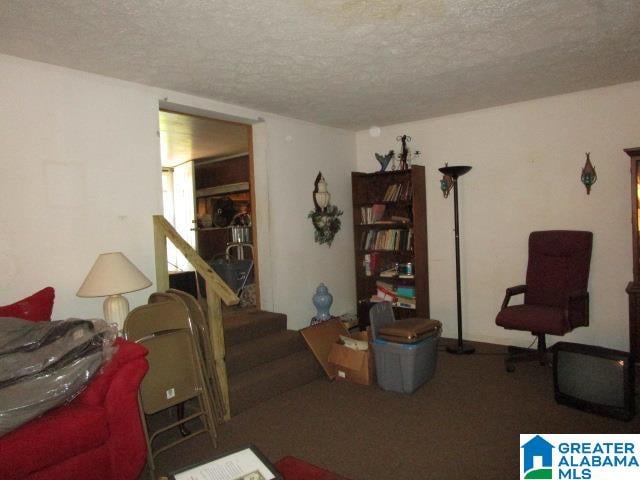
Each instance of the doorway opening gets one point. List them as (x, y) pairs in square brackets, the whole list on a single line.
[(208, 196)]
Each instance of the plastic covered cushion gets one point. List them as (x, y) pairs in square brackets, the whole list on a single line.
[(37, 307), (126, 352), (45, 364)]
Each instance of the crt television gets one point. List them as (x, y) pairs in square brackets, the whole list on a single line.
[(594, 379)]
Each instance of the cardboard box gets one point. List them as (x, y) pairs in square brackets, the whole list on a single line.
[(338, 361), (354, 366)]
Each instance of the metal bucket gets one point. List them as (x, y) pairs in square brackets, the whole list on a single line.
[(240, 234), (234, 272)]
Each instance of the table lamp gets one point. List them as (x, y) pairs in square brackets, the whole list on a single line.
[(112, 275)]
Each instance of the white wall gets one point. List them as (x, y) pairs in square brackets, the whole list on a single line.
[(80, 175), (526, 160), (297, 152)]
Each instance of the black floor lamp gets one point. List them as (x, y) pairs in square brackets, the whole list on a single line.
[(455, 172)]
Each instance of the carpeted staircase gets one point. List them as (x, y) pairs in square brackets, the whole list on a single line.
[(264, 359)]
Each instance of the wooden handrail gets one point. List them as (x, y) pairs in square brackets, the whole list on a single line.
[(164, 228), (217, 292)]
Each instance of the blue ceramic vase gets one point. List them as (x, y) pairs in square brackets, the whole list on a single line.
[(322, 300)]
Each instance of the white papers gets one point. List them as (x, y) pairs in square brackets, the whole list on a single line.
[(242, 465)]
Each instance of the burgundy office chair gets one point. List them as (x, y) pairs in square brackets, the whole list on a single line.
[(555, 297)]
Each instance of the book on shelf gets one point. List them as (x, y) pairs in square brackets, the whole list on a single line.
[(385, 291), (377, 212), (383, 296), (387, 239), (403, 297), (399, 304), (372, 214), (389, 273), (406, 291), (400, 219), (370, 263), (398, 192), (385, 286)]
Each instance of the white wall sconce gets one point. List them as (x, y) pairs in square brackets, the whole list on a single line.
[(321, 195), (324, 216)]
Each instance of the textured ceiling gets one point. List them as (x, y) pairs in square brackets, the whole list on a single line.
[(347, 63)]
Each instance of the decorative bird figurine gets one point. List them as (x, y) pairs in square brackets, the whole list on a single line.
[(588, 175), (384, 159)]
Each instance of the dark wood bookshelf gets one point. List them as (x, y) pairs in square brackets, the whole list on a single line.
[(369, 189), (633, 288)]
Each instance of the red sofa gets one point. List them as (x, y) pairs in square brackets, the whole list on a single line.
[(96, 436)]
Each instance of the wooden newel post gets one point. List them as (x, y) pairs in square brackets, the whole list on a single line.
[(162, 267), (214, 314)]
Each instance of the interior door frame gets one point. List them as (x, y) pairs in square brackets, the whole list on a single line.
[(247, 123)]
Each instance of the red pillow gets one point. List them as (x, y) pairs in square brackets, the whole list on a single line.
[(36, 308)]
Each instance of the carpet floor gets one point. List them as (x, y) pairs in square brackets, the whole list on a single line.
[(463, 424)]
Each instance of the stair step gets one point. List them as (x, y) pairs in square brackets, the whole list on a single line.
[(271, 379), (248, 355), (250, 325)]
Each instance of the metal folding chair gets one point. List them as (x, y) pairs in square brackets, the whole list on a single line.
[(175, 371), (199, 321)]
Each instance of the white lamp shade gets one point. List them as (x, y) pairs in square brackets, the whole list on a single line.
[(112, 274)]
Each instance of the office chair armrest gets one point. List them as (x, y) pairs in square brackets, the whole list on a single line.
[(511, 291), (578, 309)]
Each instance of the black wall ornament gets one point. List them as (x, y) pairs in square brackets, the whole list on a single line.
[(404, 152)]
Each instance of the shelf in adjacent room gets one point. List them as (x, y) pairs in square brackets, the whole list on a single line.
[(203, 229), (223, 189)]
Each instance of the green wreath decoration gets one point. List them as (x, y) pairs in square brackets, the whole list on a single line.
[(326, 224)]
